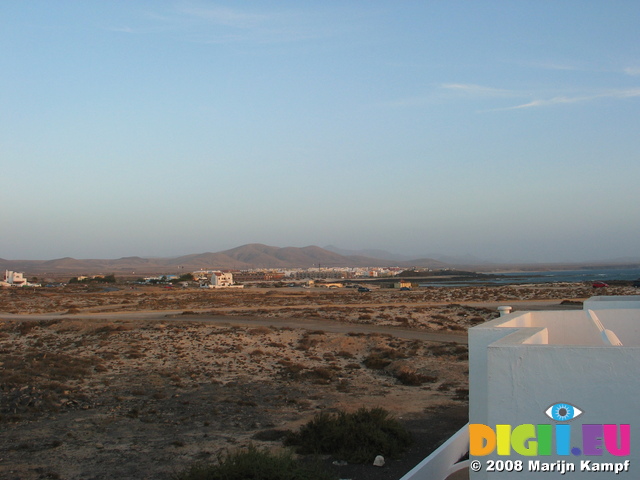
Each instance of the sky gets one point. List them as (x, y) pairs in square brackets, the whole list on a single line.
[(506, 130)]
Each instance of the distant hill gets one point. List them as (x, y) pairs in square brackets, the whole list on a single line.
[(372, 253), (244, 257), (444, 260), (256, 255)]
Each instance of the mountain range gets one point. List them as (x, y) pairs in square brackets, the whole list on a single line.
[(244, 257), (257, 255), (384, 255)]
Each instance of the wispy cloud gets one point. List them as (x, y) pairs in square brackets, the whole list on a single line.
[(627, 93), (549, 102), (476, 90), (475, 93), (229, 17), (210, 23), (447, 91), (555, 66), (621, 93), (633, 71)]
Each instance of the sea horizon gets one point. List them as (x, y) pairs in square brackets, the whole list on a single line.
[(547, 276)]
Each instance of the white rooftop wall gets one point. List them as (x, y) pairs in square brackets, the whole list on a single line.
[(522, 363), (614, 301)]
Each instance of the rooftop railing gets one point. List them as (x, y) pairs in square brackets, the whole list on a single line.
[(446, 461)]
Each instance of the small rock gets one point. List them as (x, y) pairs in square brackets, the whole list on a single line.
[(379, 461), (340, 463)]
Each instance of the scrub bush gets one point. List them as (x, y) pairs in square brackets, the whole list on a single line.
[(355, 437), (255, 464)]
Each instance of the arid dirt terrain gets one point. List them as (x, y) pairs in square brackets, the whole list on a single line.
[(141, 382)]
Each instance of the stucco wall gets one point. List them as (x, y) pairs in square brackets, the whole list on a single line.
[(523, 381), (515, 376), (614, 301)]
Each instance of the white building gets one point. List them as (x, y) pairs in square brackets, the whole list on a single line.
[(223, 280), (13, 279), (219, 279), (550, 392)]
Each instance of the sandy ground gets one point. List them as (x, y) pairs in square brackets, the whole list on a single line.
[(141, 383)]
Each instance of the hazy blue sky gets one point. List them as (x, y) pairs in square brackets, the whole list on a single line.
[(502, 129)]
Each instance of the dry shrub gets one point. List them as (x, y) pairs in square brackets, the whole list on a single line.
[(445, 386), (270, 435), (24, 328), (380, 359), (320, 374), (462, 394), (36, 366), (259, 331), (356, 437), (446, 349), (255, 463), (344, 354), (113, 328), (414, 379), (35, 382), (306, 342), (406, 374), (376, 361), (291, 369)]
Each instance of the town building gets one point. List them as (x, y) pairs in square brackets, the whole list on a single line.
[(151, 280), (402, 284), (258, 276), (13, 279), (223, 280)]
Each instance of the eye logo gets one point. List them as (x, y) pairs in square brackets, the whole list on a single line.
[(563, 412)]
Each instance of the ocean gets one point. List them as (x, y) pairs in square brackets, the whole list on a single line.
[(566, 276)]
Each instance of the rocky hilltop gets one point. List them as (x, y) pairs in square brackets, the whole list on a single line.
[(244, 257)]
